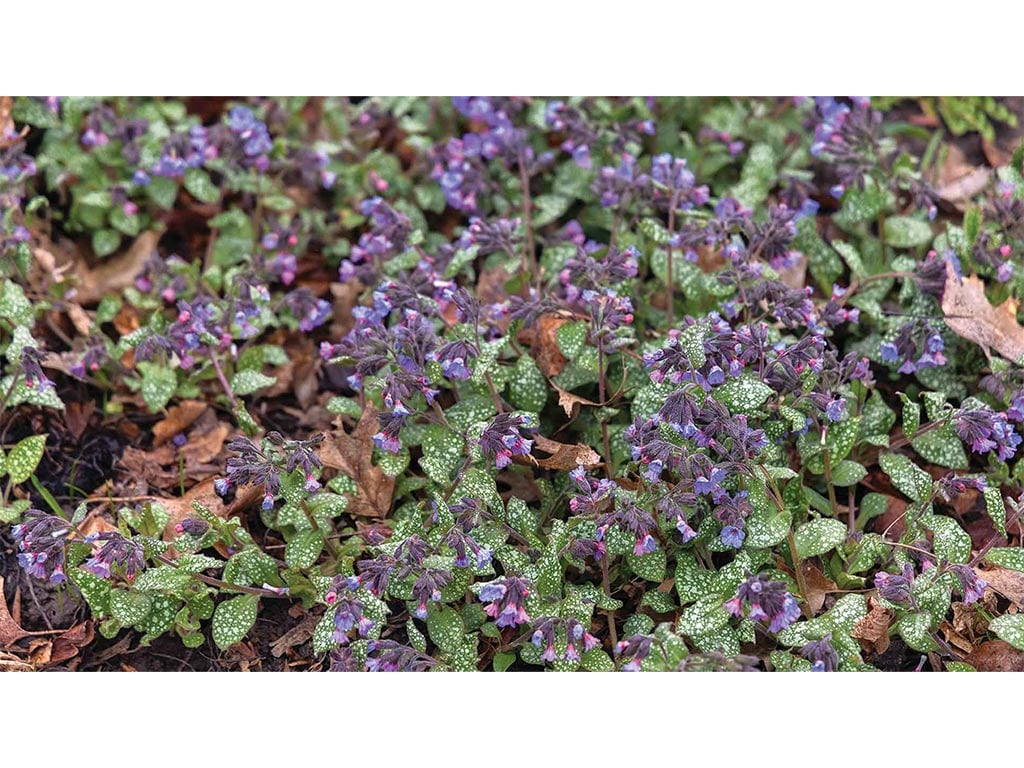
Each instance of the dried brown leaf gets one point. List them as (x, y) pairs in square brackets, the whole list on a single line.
[(179, 418), (1007, 582), (568, 401), (180, 508), (818, 585), (10, 631), (116, 273), (564, 456), (969, 314), (353, 455), (543, 341), (996, 656), (873, 629)]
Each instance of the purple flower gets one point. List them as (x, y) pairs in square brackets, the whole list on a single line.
[(767, 601), (972, 587), (836, 409), (501, 439), (821, 654), (896, 588), (505, 598)]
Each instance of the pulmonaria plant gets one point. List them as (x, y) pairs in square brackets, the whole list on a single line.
[(602, 383)]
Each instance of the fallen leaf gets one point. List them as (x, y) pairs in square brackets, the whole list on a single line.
[(297, 635), (181, 507), (568, 401), (958, 180), (179, 418), (68, 644), (116, 273), (543, 341), (79, 318), (818, 585), (564, 456), (48, 262), (969, 314), (873, 629), (795, 275), (10, 631), (996, 656), (353, 455), (127, 320), (8, 136), (951, 636), (204, 441), (77, 416), (1007, 582)]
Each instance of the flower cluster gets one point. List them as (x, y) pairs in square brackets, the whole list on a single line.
[(505, 600), (766, 601)]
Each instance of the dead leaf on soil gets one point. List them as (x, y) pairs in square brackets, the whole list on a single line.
[(568, 401), (179, 418), (543, 341), (180, 508), (297, 635), (958, 180), (116, 273), (873, 629), (8, 136), (353, 455), (1007, 582), (996, 656), (10, 631), (969, 314), (818, 585), (563, 455)]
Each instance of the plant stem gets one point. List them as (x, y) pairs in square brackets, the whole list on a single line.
[(798, 570), (606, 442), (223, 380), (529, 254), (668, 266), (223, 584), (609, 615)]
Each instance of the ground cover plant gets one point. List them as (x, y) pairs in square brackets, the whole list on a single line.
[(511, 384)]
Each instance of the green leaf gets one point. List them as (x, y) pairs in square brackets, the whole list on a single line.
[(105, 241), (847, 473), (906, 476), (443, 453), (915, 629), (159, 383), (950, 541), (905, 232), (14, 305), (571, 338), (743, 395), (528, 389), (249, 381), (503, 661), (1010, 629), (816, 537), (941, 446), (198, 184), (233, 619), (1007, 557), (444, 625), (95, 590), (163, 191), (650, 566), (911, 416), (596, 660), (24, 458), (996, 508), (304, 549), (160, 579), (129, 607)]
